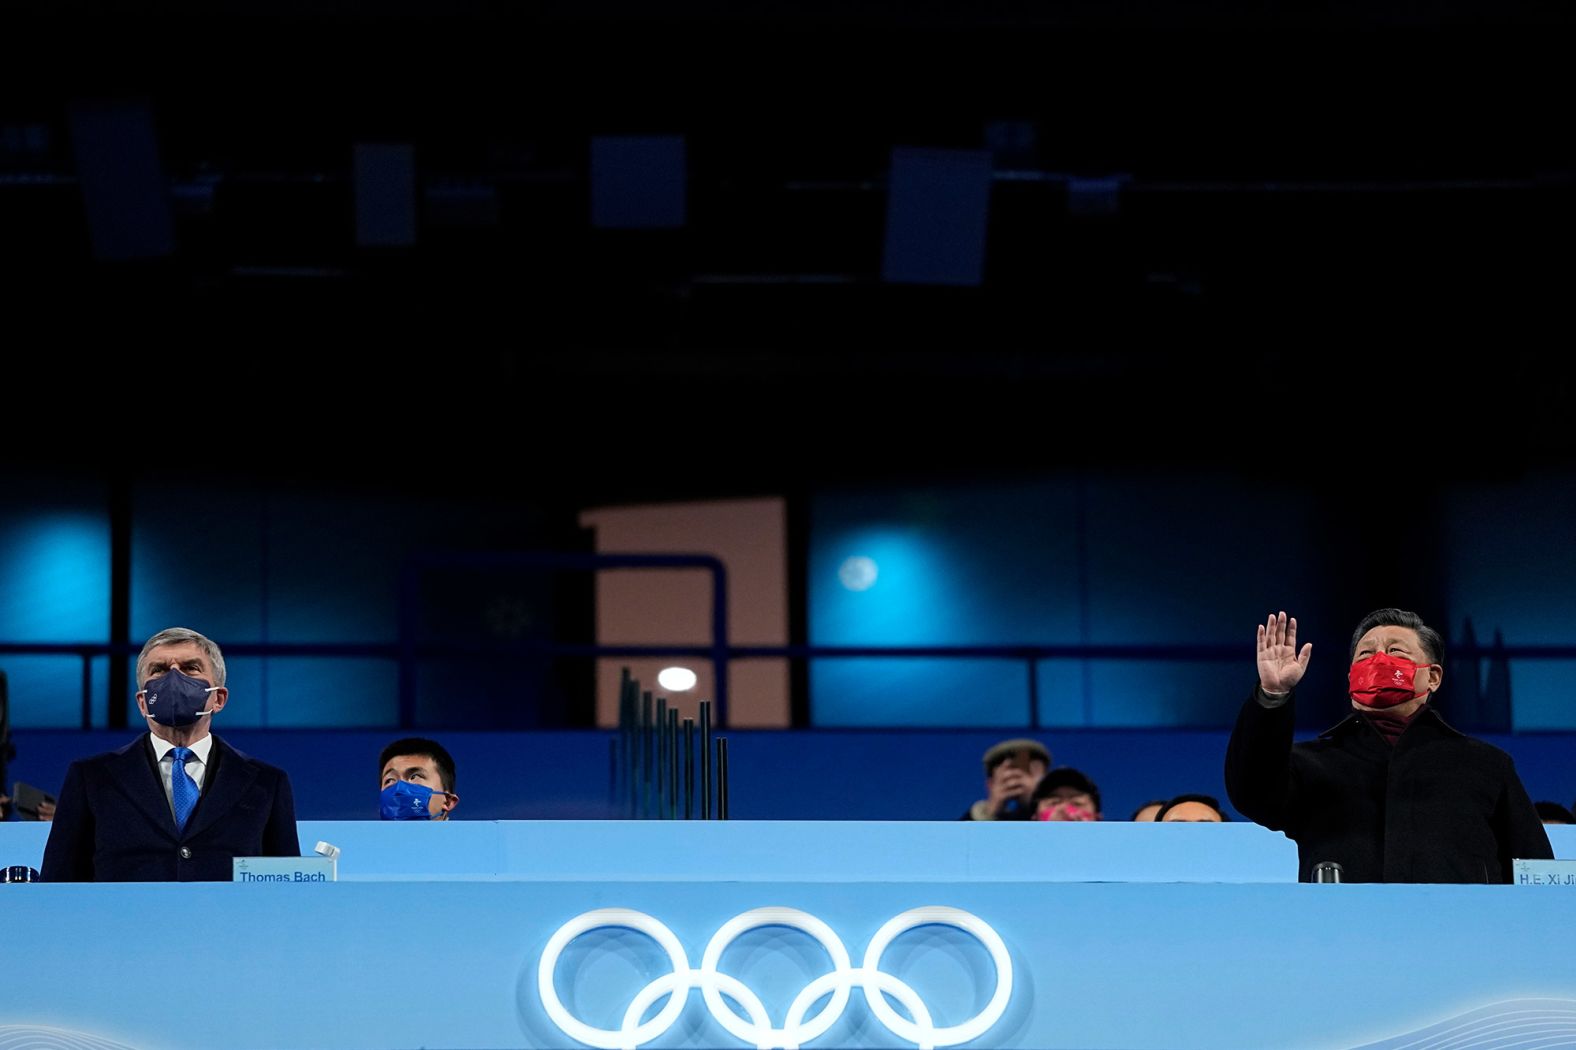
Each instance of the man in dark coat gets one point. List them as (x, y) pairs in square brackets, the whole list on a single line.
[(177, 804), (1392, 793)]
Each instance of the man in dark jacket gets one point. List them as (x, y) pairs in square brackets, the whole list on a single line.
[(177, 804), (1392, 793)]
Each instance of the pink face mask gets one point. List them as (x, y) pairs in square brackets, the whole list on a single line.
[(1064, 811), (1383, 681)]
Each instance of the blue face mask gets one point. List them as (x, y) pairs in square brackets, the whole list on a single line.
[(403, 800), (175, 699)]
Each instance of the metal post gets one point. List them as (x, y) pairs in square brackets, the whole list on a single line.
[(87, 694), (705, 760), (689, 769), (673, 763), (662, 753), (620, 743), (631, 743), (647, 745)]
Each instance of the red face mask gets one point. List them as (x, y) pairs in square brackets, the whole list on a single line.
[(1064, 811), (1383, 680)]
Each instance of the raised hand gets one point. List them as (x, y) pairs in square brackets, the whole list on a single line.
[(1281, 666), (1007, 782)]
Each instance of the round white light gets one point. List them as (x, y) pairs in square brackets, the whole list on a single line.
[(857, 573), (676, 679)]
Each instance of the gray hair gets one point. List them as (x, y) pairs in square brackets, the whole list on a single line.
[(177, 635)]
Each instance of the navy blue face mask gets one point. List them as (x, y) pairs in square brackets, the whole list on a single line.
[(403, 800), (175, 699)]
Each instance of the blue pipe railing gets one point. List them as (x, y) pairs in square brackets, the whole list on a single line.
[(721, 657), (408, 651)]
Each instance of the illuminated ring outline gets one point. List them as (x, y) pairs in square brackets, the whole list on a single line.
[(884, 982), (757, 1029), (765, 1035), (607, 1038), (924, 1034)]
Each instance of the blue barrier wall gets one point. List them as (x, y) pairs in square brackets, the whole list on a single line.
[(812, 851), (458, 964)]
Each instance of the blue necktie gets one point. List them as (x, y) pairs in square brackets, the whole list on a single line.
[(183, 789)]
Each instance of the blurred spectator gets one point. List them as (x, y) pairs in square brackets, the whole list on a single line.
[(1149, 811), (1553, 813), (1192, 809), (1066, 794), (1012, 769)]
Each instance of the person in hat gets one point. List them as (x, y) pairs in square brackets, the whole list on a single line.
[(1012, 769)]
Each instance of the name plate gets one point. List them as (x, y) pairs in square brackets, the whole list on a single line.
[(286, 871), (1544, 873)]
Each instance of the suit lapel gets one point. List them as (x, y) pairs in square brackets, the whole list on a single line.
[(223, 787), (134, 774)]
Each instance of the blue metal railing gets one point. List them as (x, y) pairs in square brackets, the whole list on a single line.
[(720, 657)]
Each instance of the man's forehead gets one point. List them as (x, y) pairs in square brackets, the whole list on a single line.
[(1389, 633), (401, 763), (177, 652)]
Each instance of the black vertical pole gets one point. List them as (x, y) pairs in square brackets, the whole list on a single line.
[(623, 729), (7, 748), (647, 743), (722, 778), (623, 704), (673, 763), (631, 701), (87, 694), (619, 744), (705, 760), (119, 601), (689, 769), (662, 752)]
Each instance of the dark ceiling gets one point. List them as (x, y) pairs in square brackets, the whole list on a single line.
[(1341, 227)]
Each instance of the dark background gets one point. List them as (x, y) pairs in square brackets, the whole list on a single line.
[(1342, 222), (1338, 272)]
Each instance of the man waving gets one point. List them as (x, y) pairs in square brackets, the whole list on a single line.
[(1392, 793)]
